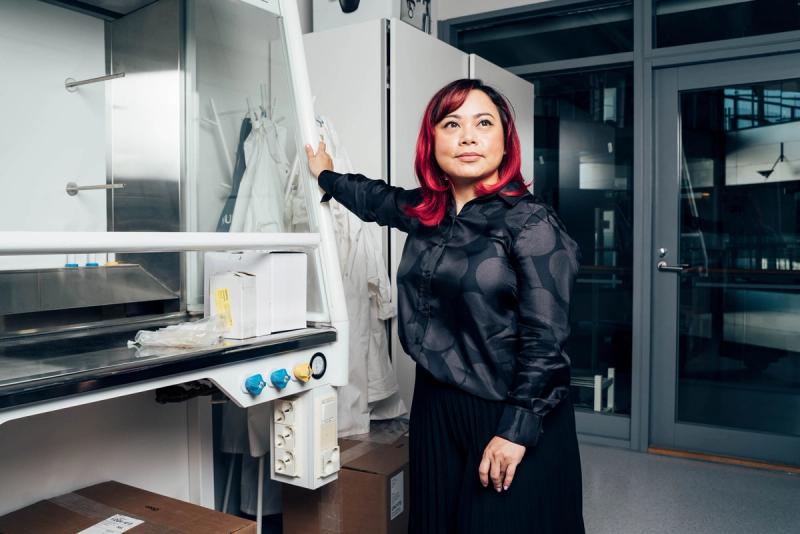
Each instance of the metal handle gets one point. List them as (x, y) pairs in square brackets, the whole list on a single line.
[(664, 268), (73, 188), (70, 83)]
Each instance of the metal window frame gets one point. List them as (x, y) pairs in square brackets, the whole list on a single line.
[(646, 59)]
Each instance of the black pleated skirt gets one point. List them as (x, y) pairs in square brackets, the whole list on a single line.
[(449, 431)]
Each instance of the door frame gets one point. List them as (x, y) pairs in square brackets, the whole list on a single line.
[(664, 430)]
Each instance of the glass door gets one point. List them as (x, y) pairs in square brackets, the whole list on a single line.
[(726, 259)]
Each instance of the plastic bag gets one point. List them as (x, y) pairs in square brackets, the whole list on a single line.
[(195, 334)]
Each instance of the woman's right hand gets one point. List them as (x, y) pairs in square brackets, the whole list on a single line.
[(321, 161)]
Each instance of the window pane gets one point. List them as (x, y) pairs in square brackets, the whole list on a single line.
[(680, 22), (583, 154), (740, 222), (582, 31)]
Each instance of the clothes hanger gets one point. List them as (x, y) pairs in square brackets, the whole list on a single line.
[(262, 87), (250, 113)]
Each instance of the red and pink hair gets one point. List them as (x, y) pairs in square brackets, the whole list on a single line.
[(433, 181)]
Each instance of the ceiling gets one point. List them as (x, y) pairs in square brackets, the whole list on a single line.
[(104, 9)]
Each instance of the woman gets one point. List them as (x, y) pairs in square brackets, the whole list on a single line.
[(483, 286)]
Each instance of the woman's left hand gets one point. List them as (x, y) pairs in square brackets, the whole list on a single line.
[(500, 460)]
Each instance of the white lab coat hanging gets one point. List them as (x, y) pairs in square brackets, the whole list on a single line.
[(372, 380), (259, 204)]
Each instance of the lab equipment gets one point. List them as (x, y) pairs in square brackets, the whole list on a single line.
[(65, 358)]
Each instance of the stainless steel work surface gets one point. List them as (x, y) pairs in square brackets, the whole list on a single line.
[(33, 370)]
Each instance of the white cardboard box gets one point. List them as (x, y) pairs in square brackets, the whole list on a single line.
[(233, 295), (281, 285)]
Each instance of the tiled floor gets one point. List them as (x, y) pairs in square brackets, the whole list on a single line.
[(629, 492)]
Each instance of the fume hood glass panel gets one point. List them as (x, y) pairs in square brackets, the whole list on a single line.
[(151, 149), (244, 152), (583, 30), (50, 137), (100, 156), (739, 301), (248, 163), (680, 22), (583, 166)]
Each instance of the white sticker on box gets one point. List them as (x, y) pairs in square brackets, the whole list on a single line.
[(113, 525), (396, 495)]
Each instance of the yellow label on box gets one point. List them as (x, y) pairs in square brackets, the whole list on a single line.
[(222, 303)]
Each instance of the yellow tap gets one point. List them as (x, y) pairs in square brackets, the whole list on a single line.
[(302, 372)]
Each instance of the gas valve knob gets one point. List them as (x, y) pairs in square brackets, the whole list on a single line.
[(302, 372), (255, 385), (280, 378)]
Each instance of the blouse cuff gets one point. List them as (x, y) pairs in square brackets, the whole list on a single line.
[(326, 179), (520, 425)]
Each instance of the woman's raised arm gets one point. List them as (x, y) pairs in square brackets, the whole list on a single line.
[(370, 200)]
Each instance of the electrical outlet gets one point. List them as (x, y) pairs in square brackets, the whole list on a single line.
[(284, 437), (284, 412), (330, 461), (285, 464), (304, 447)]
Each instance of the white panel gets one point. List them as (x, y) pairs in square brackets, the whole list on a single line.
[(520, 93), (411, 88), (131, 440), (350, 89), (49, 135)]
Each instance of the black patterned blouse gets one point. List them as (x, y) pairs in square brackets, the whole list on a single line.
[(483, 298)]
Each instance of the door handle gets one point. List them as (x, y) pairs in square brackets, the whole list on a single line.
[(664, 268)]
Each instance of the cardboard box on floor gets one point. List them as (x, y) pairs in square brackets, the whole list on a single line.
[(370, 496), (115, 507)]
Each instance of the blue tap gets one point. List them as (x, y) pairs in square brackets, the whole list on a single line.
[(255, 384), (280, 378)]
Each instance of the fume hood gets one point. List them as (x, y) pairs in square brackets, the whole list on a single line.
[(121, 127)]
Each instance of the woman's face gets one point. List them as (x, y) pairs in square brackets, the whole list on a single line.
[(469, 142)]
